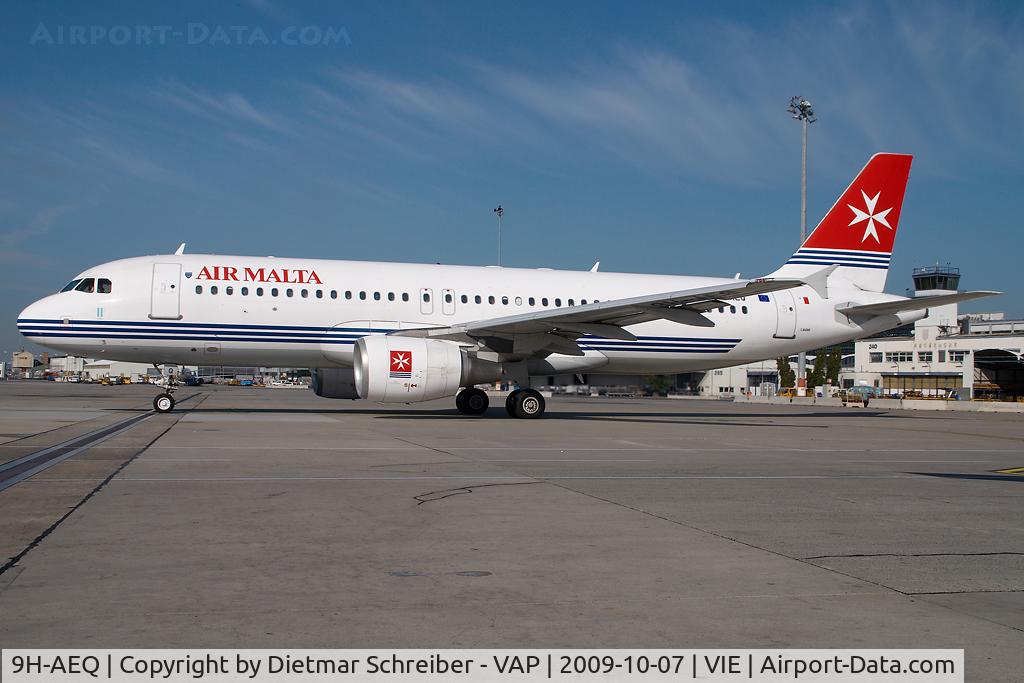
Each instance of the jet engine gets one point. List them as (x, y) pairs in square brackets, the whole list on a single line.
[(334, 383), (394, 369)]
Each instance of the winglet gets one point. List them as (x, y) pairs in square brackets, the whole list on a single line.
[(180, 250), (818, 280)]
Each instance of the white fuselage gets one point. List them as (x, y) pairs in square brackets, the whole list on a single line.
[(307, 313)]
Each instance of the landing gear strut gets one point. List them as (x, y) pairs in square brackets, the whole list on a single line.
[(525, 403), (164, 403), (472, 401)]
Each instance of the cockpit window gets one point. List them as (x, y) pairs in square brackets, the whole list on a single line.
[(70, 286), (103, 286), (86, 285)]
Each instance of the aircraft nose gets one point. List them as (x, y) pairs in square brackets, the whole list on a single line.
[(31, 313)]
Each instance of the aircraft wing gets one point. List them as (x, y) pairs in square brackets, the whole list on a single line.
[(915, 304), (555, 330)]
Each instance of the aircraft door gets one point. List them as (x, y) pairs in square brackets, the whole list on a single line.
[(448, 301), (426, 301), (165, 299), (785, 304)]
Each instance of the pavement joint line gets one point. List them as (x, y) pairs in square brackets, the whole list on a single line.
[(13, 561), (68, 443), (77, 445), (87, 442), (524, 476), (752, 449), (827, 557)]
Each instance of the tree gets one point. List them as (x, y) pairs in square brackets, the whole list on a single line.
[(787, 377), (834, 364), (816, 377), (659, 385)]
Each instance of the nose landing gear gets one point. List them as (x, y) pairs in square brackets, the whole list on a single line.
[(164, 403)]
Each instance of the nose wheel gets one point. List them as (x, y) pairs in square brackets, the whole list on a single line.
[(163, 403), (526, 404)]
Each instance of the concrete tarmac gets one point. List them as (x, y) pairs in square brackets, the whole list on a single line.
[(264, 518)]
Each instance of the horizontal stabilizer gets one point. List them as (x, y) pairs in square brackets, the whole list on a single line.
[(915, 304)]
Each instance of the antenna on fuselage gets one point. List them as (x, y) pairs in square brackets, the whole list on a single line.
[(597, 264), (180, 250)]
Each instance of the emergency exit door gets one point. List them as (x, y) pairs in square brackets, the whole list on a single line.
[(785, 304), (165, 301)]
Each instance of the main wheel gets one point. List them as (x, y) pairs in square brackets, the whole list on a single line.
[(472, 401), (163, 403), (529, 404), (510, 402)]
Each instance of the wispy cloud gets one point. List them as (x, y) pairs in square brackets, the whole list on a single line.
[(43, 220), (229, 108)]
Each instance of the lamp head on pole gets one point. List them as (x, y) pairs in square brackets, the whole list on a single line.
[(500, 211), (801, 109)]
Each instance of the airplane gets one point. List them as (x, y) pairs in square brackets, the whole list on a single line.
[(407, 332)]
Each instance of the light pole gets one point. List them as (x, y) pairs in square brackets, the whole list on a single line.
[(500, 212), (801, 110)]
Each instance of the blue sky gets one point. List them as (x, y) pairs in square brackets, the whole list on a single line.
[(653, 137)]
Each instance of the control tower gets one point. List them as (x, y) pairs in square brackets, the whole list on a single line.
[(937, 280)]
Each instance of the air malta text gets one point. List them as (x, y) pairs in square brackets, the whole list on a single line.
[(288, 276)]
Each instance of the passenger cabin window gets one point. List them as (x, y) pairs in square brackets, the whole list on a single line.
[(544, 301), (477, 299), (376, 296), (319, 294), (348, 294), (199, 289), (405, 296), (86, 285), (504, 300), (391, 296), (464, 299), (447, 298), (229, 290), (70, 286), (558, 302), (244, 291), (273, 291), (490, 299), (426, 296), (362, 296), (103, 286), (259, 291), (334, 294), (213, 289), (305, 293), (532, 301), (289, 292)]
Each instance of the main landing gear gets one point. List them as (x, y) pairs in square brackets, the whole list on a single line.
[(522, 403), (525, 403), (472, 401)]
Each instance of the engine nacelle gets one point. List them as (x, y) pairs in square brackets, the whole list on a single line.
[(334, 383), (394, 369)]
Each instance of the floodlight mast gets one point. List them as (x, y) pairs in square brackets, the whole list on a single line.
[(499, 212), (801, 110)]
